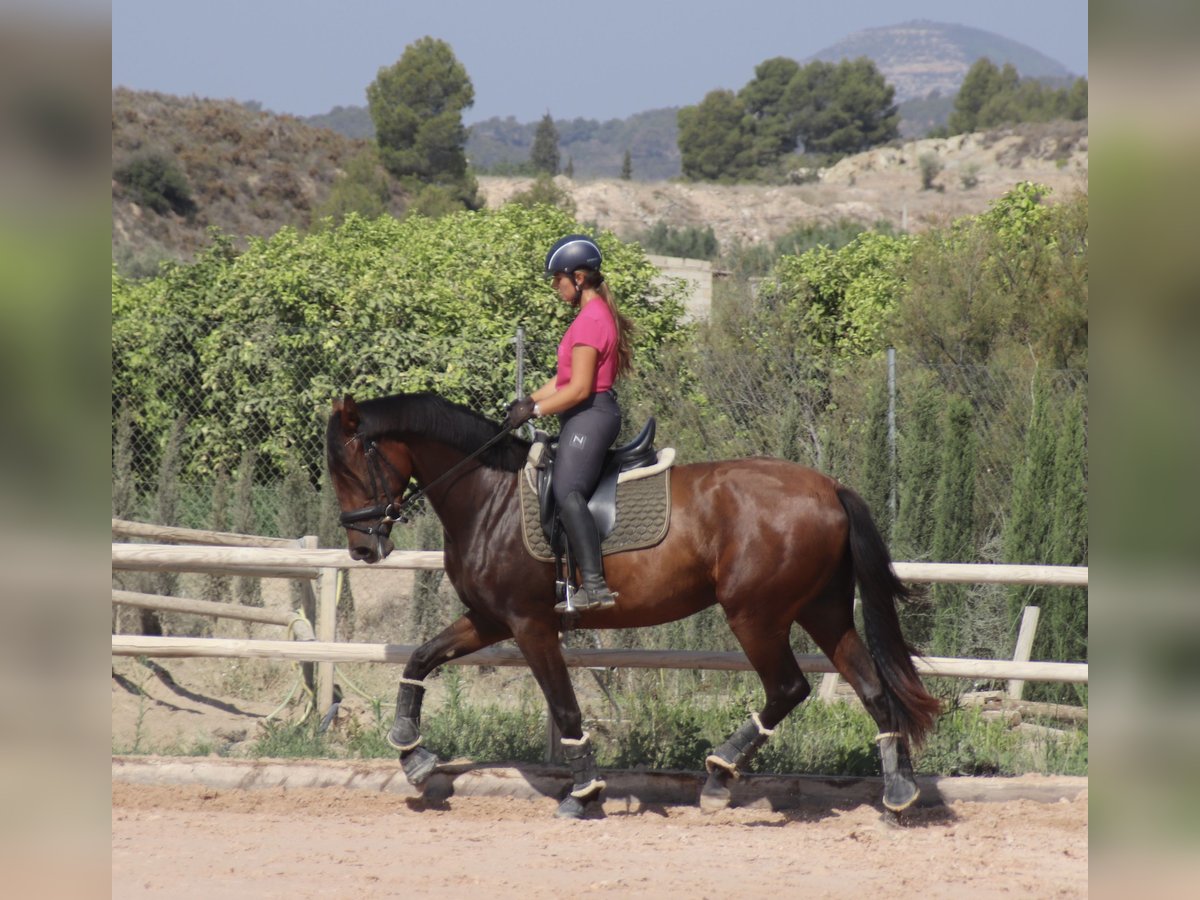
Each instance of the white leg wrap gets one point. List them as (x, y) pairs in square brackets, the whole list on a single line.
[(765, 732), (596, 784), (404, 748), (576, 742), (884, 735), (414, 682)]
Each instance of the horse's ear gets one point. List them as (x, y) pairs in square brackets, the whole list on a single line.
[(347, 411)]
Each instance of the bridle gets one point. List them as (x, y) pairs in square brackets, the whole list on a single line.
[(385, 511)]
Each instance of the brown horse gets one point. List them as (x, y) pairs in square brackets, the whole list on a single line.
[(772, 542)]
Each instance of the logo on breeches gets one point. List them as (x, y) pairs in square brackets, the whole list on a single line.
[(578, 440)]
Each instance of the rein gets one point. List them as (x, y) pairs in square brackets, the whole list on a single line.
[(389, 513)]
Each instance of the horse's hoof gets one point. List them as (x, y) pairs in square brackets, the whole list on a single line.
[(418, 765), (900, 795), (574, 808), (714, 797)]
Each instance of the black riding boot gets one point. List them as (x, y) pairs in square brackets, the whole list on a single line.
[(585, 548)]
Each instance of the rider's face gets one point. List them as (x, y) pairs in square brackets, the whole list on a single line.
[(565, 287)]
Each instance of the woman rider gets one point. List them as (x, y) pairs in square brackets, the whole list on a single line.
[(593, 353)]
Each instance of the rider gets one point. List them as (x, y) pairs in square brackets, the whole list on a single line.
[(594, 351)]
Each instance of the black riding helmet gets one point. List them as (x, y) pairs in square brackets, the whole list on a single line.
[(575, 251)]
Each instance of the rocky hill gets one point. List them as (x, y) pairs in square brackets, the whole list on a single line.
[(920, 57), (249, 173), (881, 185), (244, 171)]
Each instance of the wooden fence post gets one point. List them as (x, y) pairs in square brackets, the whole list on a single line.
[(326, 628), (308, 606), (1029, 623)]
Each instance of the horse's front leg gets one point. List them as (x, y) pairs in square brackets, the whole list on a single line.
[(465, 635), (539, 644)]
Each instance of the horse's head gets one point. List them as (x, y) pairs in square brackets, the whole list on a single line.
[(370, 475)]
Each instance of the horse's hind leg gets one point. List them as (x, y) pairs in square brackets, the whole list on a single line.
[(771, 655), (463, 636), (830, 621)]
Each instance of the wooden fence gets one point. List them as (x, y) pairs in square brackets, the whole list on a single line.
[(226, 554)]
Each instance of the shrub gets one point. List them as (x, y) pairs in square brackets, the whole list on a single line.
[(156, 181), (930, 167)]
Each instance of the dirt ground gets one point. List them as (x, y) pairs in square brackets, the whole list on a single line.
[(194, 841), (191, 841)]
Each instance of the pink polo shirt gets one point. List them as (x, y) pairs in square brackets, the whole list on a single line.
[(593, 327)]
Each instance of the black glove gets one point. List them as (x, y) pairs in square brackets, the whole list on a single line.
[(519, 412)]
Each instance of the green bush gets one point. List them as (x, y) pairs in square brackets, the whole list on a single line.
[(156, 181)]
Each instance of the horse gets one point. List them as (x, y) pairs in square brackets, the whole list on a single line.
[(773, 543)]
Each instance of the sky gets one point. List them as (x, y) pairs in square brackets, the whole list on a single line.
[(525, 58)]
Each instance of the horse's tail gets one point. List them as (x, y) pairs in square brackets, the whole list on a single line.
[(912, 706)]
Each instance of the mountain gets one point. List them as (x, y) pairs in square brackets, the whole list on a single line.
[(920, 57), (596, 149), (925, 61)]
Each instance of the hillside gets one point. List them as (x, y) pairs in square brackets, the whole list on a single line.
[(880, 185), (920, 57), (248, 172)]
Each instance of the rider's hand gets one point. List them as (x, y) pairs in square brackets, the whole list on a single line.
[(519, 412)]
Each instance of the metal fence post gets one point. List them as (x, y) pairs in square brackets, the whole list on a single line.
[(891, 422), (520, 361)]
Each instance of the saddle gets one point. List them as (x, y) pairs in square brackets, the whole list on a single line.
[(637, 454)]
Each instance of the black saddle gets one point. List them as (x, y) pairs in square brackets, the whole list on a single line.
[(637, 454)]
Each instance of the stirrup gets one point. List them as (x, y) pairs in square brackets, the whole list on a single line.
[(590, 603)]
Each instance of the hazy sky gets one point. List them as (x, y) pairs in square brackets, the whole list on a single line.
[(526, 57)]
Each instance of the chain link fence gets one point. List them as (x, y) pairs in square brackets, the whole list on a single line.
[(249, 456)]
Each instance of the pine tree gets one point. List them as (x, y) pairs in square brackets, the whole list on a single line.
[(417, 106), (877, 460), (1027, 531), (545, 157), (569, 169), (954, 515), (919, 442), (1063, 635), (627, 167)]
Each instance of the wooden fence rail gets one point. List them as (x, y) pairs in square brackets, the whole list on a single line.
[(935, 666), (224, 553), (252, 560)]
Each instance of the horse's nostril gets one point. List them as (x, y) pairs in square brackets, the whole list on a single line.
[(361, 553)]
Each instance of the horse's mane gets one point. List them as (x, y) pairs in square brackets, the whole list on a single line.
[(432, 417)]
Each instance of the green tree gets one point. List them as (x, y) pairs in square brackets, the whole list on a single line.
[(877, 477), (713, 144), (918, 448), (258, 344), (841, 108), (626, 167), (953, 535), (544, 156), (765, 100), (992, 96), (845, 296), (417, 105)]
